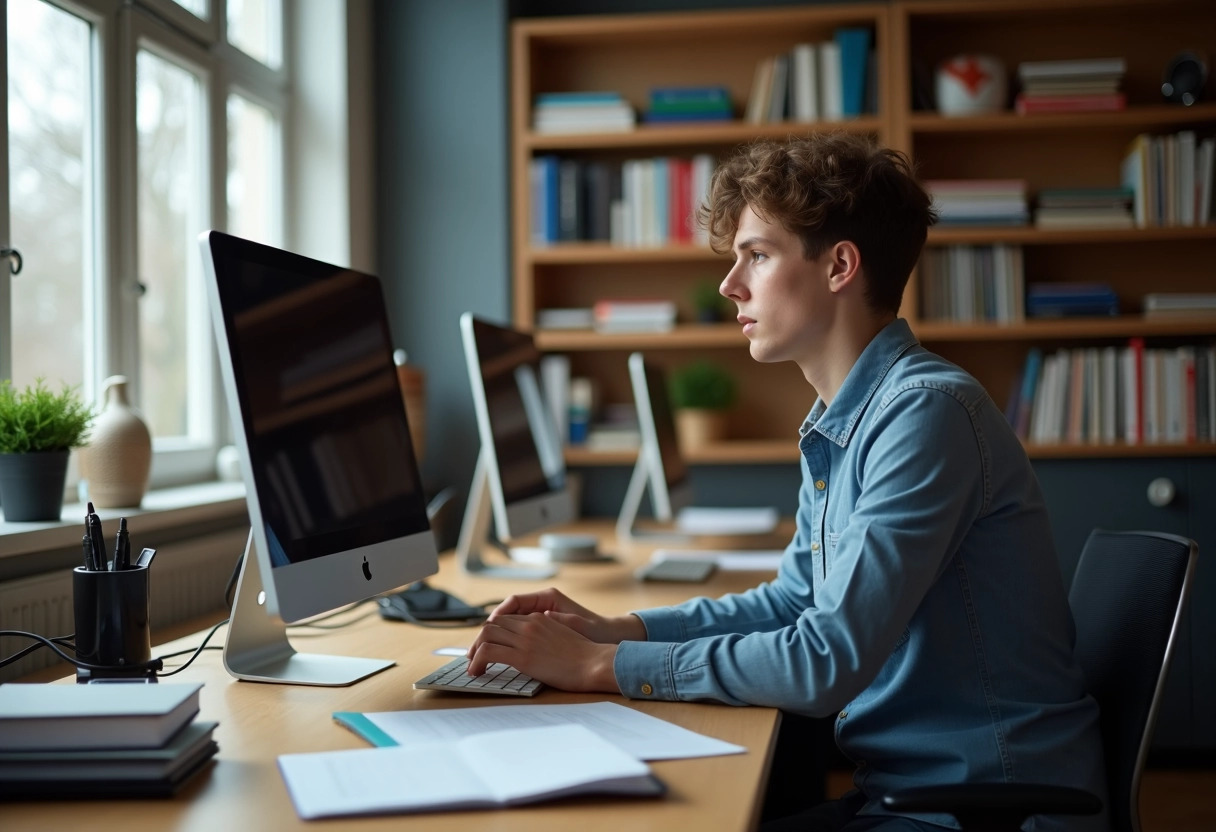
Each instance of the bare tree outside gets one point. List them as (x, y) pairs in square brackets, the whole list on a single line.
[(51, 187)]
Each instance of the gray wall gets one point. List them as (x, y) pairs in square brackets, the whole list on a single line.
[(444, 230)]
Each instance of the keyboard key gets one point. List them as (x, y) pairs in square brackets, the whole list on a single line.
[(500, 679)]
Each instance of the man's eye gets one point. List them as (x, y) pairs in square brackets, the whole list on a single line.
[(758, 256)]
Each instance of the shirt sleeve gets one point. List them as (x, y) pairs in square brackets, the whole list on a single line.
[(916, 502)]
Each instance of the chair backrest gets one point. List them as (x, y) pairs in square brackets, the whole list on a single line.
[(1127, 600)]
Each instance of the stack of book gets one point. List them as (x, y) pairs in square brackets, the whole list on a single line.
[(1170, 178), (635, 315), (966, 284), (100, 740), (687, 104), (979, 201), (581, 112), (1069, 300), (1079, 86), (1117, 394), (1158, 304), (565, 318), (1085, 208), (826, 81)]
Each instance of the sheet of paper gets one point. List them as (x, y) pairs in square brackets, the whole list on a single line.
[(482, 770), (698, 520), (640, 735), (758, 560)]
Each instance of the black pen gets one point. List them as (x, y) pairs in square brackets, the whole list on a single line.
[(90, 553), (99, 543), (87, 545), (122, 546)]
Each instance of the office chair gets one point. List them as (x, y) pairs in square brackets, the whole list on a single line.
[(1127, 598)]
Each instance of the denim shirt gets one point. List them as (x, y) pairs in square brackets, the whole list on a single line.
[(920, 600)]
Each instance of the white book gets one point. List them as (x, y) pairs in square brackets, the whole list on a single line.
[(52, 717), (757, 101), (1110, 394), (1038, 413), (831, 91), (703, 165), (804, 81), (478, 771), (555, 386), (1171, 378), (1152, 390)]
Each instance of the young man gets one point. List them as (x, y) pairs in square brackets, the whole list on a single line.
[(920, 600)]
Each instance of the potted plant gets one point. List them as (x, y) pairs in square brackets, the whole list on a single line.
[(701, 393), (38, 429), (707, 302)]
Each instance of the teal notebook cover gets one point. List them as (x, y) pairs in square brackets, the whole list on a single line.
[(364, 727)]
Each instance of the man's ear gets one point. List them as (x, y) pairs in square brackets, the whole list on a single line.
[(844, 265)]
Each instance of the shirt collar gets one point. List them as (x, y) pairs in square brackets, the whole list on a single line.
[(837, 422)]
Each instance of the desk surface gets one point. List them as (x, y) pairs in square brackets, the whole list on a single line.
[(257, 722)]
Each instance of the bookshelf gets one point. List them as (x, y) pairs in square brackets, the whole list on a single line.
[(631, 53)]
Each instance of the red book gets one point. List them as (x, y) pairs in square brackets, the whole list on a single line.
[(1033, 104), (1136, 345), (679, 200)]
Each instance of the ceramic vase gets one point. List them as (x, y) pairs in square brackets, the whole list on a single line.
[(118, 457), (697, 427)]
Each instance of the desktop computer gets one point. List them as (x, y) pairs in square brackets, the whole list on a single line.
[(334, 494), (661, 470), (521, 474)]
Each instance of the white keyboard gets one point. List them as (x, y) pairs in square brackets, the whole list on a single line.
[(499, 679)]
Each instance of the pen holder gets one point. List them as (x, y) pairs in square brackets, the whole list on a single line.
[(111, 610)]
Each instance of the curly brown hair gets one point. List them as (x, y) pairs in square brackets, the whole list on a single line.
[(825, 188)]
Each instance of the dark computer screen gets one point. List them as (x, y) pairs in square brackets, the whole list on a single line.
[(322, 408)]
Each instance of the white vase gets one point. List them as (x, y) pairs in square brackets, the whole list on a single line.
[(118, 457)]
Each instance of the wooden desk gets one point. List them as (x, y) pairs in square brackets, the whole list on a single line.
[(244, 791)]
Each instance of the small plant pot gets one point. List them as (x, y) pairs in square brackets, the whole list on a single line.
[(31, 485), (697, 427)]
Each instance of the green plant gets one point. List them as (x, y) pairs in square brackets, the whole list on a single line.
[(35, 419), (702, 384), (708, 303)]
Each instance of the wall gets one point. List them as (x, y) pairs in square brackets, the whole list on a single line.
[(444, 231)]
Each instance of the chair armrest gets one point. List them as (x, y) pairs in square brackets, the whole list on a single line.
[(994, 805)]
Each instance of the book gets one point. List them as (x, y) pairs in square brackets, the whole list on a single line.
[(1024, 104), (804, 83), (478, 771), (183, 752), (831, 83), (1084, 67), (854, 44), (50, 717)]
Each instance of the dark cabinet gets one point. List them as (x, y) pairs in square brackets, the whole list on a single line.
[(1114, 494)]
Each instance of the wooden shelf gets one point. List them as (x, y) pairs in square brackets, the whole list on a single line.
[(1121, 326), (1146, 117), (562, 254), (1027, 235), (699, 135), (732, 452), (684, 336), (1120, 450)]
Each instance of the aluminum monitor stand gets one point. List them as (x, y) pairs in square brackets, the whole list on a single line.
[(626, 520), (475, 532), (257, 648)]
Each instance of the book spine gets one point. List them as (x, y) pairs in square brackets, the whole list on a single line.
[(854, 44), (1033, 104)]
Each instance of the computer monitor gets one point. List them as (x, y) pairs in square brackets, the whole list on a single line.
[(660, 466), (520, 474), (335, 499)]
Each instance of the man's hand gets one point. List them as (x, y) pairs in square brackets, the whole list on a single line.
[(597, 628), (539, 645)]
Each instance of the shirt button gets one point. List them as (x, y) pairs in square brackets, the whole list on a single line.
[(843, 714), (820, 485), (647, 690), (814, 547)]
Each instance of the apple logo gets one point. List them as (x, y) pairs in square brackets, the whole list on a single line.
[(367, 569)]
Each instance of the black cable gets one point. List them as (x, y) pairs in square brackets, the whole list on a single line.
[(66, 641), (152, 664), (198, 650)]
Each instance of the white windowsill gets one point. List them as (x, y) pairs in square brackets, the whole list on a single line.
[(163, 509)]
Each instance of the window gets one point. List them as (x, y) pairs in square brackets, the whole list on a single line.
[(107, 230)]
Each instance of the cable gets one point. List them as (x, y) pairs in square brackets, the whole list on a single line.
[(152, 664), (63, 640), (198, 650)]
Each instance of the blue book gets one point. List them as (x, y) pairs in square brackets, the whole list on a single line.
[(668, 118), (854, 43), (546, 223), (559, 99), (684, 95)]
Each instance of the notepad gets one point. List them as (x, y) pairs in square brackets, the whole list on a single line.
[(489, 770), (747, 560)]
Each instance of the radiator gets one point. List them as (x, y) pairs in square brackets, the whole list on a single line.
[(188, 580)]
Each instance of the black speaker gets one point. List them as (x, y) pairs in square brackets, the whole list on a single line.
[(1184, 78)]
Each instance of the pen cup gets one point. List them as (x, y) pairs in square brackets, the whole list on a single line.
[(111, 610)]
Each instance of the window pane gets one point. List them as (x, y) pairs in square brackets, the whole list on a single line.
[(255, 27), (50, 191), (198, 7), (253, 165), (172, 185)]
